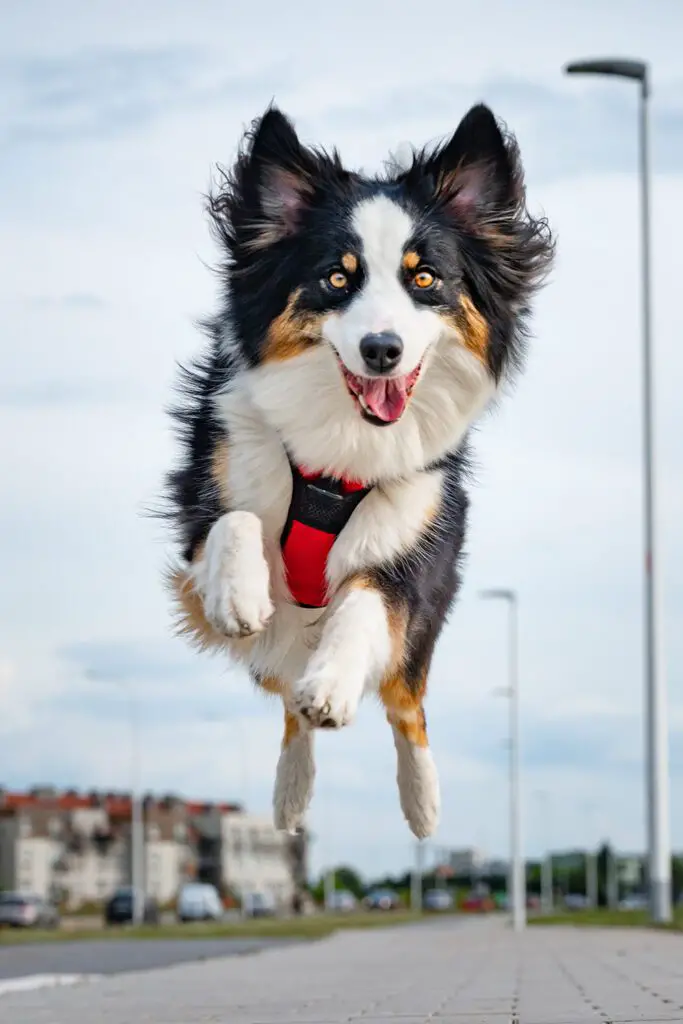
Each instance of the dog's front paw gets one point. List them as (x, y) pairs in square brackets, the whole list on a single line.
[(233, 578), (327, 696)]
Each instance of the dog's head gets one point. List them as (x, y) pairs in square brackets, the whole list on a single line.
[(394, 302)]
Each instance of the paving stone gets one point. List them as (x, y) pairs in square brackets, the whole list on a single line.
[(451, 971)]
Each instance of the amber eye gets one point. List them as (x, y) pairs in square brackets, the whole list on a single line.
[(424, 278), (337, 279)]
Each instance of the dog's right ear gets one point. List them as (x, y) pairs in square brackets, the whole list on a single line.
[(283, 169), (261, 201)]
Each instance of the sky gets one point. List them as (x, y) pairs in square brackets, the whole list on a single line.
[(112, 118)]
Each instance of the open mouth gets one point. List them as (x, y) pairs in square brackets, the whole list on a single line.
[(382, 400)]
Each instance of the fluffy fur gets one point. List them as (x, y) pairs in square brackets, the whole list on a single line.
[(365, 323)]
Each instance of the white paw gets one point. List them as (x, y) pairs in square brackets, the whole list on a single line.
[(418, 787), (327, 696), (233, 578), (294, 782)]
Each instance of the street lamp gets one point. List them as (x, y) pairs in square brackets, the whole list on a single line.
[(517, 884), (547, 883), (137, 836), (656, 739), (592, 879)]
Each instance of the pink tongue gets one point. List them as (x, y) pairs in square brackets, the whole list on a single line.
[(386, 399)]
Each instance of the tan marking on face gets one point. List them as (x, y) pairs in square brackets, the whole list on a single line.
[(219, 472), (474, 328), (471, 326), (349, 262), (411, 260), (291, 333)]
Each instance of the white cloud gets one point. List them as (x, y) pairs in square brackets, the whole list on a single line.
[(556, 507)]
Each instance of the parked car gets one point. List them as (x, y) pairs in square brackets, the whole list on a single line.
[(576, 901), (259, 904), (26, 910), (636, 901), (342, 901), (478, 903), (382, 899), (199, 901), (119, 908), (437, 899)]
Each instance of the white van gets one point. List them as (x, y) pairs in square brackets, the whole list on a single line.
[(259, 904), (199, 901)]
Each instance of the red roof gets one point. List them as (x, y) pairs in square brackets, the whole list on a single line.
[(118, 805)]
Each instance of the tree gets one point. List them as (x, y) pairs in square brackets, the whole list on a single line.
[(344, 878)]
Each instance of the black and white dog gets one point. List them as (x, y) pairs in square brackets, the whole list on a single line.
[(365, 323)]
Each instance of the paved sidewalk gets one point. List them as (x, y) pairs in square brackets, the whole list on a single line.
[(448, 972)]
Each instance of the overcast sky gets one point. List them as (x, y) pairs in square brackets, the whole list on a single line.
[(111, 118)]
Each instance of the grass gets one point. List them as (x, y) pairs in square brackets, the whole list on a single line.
[(606, 919), (315, 927)]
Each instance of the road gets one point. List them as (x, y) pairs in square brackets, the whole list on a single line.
[(114, 956), (443, 972)]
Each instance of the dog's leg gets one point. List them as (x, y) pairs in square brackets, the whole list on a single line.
[(354, 651), (417, 777), (231, 576), (295, 775)]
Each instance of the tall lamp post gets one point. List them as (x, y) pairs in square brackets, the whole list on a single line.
[(547, 883), (137, 825), (656, 739), (517, 885)]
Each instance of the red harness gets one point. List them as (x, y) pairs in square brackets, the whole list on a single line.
[(320, 509)]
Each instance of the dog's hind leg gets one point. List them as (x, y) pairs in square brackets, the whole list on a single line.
[(295, 774), (416, 775)]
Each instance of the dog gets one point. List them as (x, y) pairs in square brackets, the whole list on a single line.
[(364, 324)]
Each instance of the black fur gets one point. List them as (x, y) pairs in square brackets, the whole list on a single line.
[(281, 216), (193, 503), (426, 581)]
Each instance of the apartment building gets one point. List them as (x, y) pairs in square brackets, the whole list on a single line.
[(76, 847)]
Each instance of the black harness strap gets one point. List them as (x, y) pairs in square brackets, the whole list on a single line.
[(320, 505)]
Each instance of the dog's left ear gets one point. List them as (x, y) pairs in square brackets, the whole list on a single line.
[(477, 173)]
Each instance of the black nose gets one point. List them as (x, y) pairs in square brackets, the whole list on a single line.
[(382, 351)]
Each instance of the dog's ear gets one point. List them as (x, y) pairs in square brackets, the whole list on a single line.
[(477, 173), (262, 200), (282, 171)]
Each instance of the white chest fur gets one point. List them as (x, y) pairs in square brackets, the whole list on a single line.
[(387, 522)]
